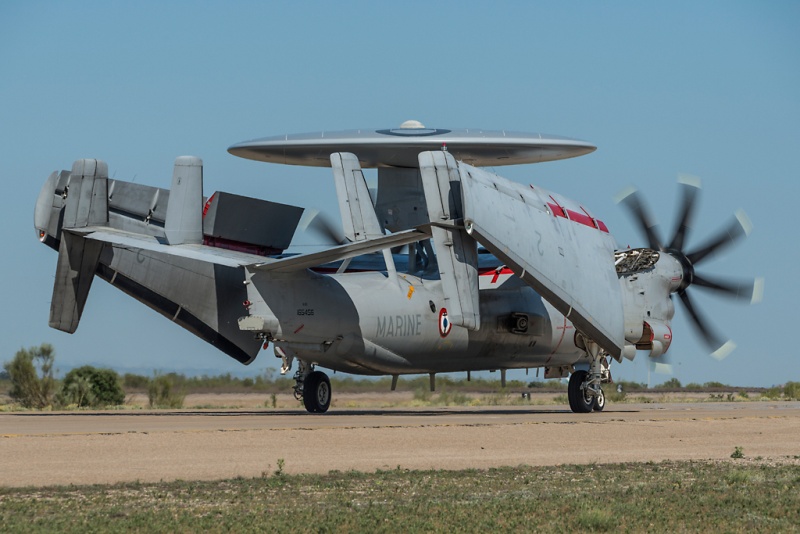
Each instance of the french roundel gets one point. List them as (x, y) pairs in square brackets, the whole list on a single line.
[(444, 323)]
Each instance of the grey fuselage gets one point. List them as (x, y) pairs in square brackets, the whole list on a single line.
[(364, 323)]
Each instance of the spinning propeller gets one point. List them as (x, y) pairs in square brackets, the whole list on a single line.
[(323, 226), (738, 228)]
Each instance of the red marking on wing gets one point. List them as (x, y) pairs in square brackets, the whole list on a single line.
[(580, 218)]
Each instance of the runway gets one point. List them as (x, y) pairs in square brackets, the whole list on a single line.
[(47, 448)]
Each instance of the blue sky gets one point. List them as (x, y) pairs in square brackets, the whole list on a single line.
[(706, 88)]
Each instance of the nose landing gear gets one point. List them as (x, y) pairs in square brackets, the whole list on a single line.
[(585, 391)]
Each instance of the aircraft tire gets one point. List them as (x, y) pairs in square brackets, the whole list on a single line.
[(577, 400), (317, 392)]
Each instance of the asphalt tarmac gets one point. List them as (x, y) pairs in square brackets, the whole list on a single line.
[(52, 448)]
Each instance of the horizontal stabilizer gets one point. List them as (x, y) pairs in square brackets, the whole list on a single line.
[(133, 241)]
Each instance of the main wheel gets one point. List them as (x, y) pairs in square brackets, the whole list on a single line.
[(599, 402), (579, 400), (317, 392)]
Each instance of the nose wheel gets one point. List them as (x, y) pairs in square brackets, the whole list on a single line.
[(585, 397)]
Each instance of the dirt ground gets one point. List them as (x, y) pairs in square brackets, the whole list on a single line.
[(45, 448)]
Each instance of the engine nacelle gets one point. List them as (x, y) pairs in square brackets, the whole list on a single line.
[(647, 278), (659, 338)]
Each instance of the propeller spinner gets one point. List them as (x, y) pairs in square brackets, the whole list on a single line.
[(738, 228)]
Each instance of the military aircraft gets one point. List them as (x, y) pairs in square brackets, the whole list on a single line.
[(498, 275)]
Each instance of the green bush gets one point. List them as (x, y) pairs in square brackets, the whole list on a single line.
[(30, 388), (791, 390), (672, 383), (89, 386), (162, 392)]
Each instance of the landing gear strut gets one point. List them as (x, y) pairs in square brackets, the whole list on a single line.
[(585, 391), (313, 387)]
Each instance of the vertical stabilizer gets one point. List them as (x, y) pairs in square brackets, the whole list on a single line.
[(359, 220), (86, 205), (77, 263), (184, 219), (87, 197)]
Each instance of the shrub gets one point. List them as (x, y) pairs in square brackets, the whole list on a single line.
[(30, 388), (89, 386), (672, 383), (161, 392), (791, 390)]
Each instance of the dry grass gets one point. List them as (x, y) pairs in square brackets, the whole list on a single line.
[(731, 496)]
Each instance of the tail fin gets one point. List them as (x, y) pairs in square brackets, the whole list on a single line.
[(359, 219), (355, 204), (86, 205), (184, 219)]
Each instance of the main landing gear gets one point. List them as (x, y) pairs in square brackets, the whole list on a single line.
[(313, 387)]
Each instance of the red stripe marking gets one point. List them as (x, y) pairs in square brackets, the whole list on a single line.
[(580, 218), (492, 272)]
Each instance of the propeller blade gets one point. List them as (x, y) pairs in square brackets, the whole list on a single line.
[(631, 199), (751, 290), (661, 365), (691, 187), (738, 228), (719, 348), (318, 222)]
